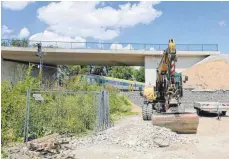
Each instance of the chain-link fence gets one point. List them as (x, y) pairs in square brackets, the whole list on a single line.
[(55, 111)]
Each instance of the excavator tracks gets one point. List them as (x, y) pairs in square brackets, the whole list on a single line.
[(147, 112)]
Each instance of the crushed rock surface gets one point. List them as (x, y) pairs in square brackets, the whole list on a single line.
[(130, 134), (138, 135)]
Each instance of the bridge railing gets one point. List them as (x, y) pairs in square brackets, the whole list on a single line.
[(107, 46)]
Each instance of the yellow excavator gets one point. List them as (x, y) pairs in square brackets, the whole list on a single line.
[(162, 102)]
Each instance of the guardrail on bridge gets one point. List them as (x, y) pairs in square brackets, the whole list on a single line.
[(107, 46)]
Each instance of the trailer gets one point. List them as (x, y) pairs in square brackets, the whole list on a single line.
[(211, 107)]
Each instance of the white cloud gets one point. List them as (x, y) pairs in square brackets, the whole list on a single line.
[(152, 49), (24, 33), (117, 46), (222, 23), (15, 5), (120, 47), (50, 39), (6, 31), (85, 19)]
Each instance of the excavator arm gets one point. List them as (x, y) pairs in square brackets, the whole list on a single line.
[(162, 106)]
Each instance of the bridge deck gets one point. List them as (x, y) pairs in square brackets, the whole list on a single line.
[(98, 53)]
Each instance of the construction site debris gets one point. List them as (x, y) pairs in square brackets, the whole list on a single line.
[(138, 136), (47, 143)]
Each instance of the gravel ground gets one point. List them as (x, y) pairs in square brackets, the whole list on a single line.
[(134, 97), (137, 135)]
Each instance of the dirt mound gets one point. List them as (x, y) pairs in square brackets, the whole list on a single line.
[(209, 75)]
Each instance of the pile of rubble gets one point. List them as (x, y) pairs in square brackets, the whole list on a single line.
[(134, 134), (137, 136)]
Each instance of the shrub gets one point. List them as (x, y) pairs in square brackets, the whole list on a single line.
[(59, 112)]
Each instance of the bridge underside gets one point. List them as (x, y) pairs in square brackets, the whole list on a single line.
[(149, 59), (96, 57), (80, 59)]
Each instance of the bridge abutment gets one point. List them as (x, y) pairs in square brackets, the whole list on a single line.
[(14, 72), (150, 70)]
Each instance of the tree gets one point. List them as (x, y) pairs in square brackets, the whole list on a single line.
[(4, 43), (20, 43), (140, 74), (122, 72)]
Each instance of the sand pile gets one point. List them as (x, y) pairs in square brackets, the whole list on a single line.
[(209, 75)]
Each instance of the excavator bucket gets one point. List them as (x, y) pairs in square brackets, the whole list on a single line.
[(183, 123)]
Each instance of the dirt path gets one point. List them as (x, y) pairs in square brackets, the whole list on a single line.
[(211, 141)]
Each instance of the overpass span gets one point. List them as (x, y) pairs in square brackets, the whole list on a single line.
[(70, 53)]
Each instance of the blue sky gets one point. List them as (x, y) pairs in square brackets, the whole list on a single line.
[(186, 22)]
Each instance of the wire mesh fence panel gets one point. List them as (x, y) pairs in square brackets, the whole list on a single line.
[(65, 112)]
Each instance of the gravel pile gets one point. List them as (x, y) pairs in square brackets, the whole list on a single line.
[(212, 74), (134, 134), (138, 136)]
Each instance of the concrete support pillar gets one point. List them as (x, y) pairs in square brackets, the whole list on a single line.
[(150, 70)]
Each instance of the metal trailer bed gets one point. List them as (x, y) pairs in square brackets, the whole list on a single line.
[(211, 107)]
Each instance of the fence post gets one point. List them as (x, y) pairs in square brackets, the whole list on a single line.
[(100, 105), (103, 109), (108, 109), (26, 126)]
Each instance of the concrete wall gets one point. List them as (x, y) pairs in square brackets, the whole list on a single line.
[(152, 62), (14, 71), (150, 70)]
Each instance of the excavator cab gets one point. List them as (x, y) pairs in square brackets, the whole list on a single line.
[(172, 46)]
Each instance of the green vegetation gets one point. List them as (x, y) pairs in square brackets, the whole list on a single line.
[(20, 43), (13, 107), (122, 72), (4, 154), (59, 112)]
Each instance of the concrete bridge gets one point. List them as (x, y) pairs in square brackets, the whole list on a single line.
[(70, 53)]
